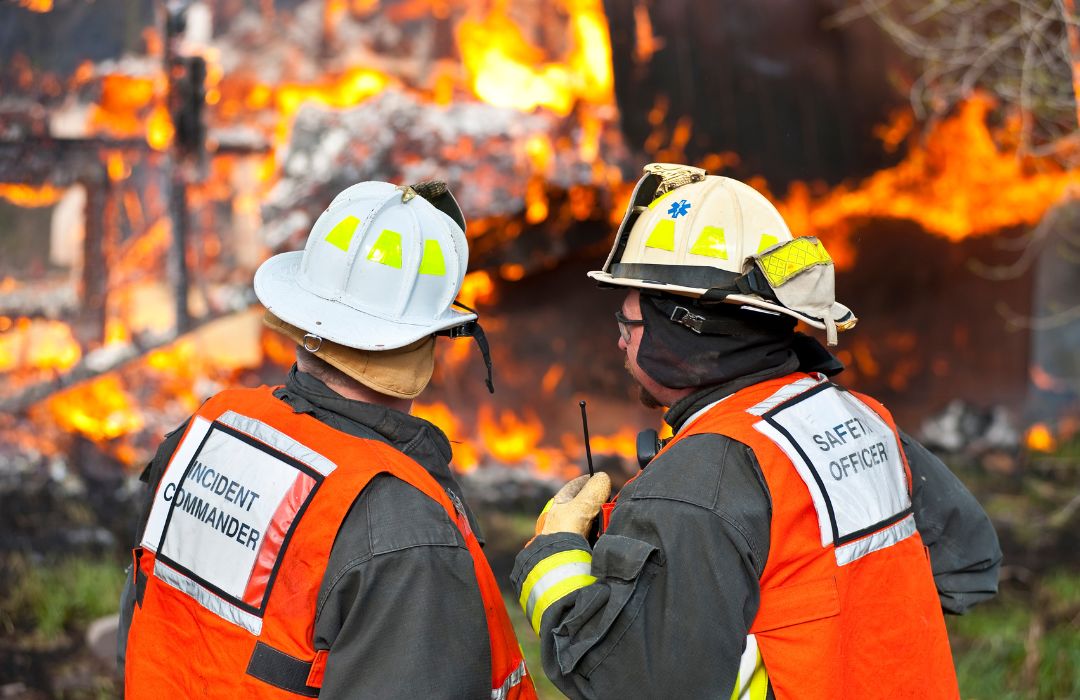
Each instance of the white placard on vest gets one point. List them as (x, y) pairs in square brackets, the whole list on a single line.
[(849, 459), (224, 507)]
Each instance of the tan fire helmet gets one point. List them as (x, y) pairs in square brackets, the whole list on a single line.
[(719, 240)]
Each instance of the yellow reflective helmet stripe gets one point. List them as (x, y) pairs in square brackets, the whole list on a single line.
[(767, 241), (711, 243), (659, 199), (662, 236), (387, 249), (791, 258), (553, 578), (341, 235), (432, 263)]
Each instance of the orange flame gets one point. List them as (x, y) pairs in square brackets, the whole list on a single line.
[(506, 70), (1040, 439), (37, 5), (100, 410), (477, 288), (38, 344), (965, 181), (509, 439), (29, 196)]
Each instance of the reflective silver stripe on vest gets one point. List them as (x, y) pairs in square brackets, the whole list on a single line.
[(222, 608), (847, 553), (788, 391), (278, 440), (512, 680)]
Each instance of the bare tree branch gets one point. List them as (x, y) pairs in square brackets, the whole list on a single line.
[(1025, 52)]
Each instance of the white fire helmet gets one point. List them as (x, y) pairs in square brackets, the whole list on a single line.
[(719, 240), (381, 269)]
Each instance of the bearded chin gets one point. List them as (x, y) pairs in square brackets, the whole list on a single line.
[(647, 399), (644, 395)]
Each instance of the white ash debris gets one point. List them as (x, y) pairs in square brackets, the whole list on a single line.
[(478, 149), (505, 488), (963, 428), (48, 298)]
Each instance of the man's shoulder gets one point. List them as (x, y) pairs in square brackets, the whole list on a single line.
[(391, 515), (706, 469)]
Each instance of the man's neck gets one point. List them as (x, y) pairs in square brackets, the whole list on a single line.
[(371, 396)]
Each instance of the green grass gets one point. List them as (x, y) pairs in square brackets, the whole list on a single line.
[(989, 646), (48, 599), (530, 645), (1021, 645)]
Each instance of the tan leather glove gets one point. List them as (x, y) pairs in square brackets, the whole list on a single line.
[(575, 506)]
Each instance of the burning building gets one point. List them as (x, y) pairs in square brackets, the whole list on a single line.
[(167, 149)]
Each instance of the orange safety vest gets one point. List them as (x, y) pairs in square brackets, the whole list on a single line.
[(848, 604), (236, 546)]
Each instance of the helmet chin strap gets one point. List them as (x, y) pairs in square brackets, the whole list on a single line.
[(473, 329)]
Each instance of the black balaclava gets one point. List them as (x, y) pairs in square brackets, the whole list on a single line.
[(749, 342)]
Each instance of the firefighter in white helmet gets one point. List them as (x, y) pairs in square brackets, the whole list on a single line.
[(310, 539), (774, 547)]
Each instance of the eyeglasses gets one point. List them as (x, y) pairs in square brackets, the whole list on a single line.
[(625, 325)]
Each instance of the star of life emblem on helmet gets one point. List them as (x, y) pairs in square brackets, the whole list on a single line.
[(678, 209)]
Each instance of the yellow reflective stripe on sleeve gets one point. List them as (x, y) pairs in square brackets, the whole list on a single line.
[(548, 581), (767, 241), (786, 261), (549, 564), (752, 683), (711, 243), (387, 249), (432, 263), (662, 236), (759, 682), (341, 235), (555, 593)]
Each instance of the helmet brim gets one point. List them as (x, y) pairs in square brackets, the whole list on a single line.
[(278, 288), (846, 319)]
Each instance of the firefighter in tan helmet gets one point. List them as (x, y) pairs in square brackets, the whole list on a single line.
[(310, 540), (777, 545)]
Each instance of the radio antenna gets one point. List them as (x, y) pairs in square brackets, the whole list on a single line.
[(585, 429)]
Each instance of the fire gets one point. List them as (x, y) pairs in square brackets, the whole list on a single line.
[(38, 345), (509, 439), (440, 415), (346, 90), (100, 410), (551, 379), (30, 196), (466, 456), (966, 180), (277, 348), (623, 443), (159, 128), (130, 106), (1040, 439), (506, 70), (37, 5), (477, 288)]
